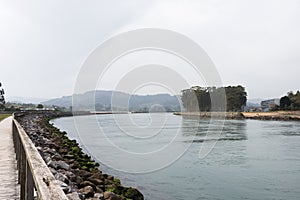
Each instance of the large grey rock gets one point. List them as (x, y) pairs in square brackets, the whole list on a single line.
[(71, 176), (62, 165), (67, 190), (63, 186), (73, 196), (56, 157), (50, 151), (47, 159), (52, 164), (62, 177)]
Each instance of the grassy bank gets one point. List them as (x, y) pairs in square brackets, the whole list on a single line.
[(3, 116)]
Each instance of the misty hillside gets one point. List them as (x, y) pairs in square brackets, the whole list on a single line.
[(17, 99), (254, 102), (112, 100)]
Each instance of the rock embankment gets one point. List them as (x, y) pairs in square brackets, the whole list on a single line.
[(77, 173)]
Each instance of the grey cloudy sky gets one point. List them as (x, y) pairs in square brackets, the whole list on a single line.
[(43, 44)]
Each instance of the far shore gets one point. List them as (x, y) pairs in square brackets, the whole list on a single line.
[(276, 115)]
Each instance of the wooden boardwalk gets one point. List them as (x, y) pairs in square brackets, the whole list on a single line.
[(9, 189)]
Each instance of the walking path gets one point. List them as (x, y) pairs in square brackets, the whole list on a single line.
[(9, 189)]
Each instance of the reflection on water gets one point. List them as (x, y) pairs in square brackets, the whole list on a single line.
[(209, 130)]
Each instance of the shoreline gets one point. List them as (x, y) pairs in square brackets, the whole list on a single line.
[(79, 176), (276, 115)]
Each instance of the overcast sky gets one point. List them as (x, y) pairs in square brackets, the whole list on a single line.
[(43, 44)]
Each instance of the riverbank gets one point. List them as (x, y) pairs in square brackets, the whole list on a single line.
[(278, 115), (221, 115), (78, 175)]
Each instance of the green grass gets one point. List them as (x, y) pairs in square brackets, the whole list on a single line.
[(3, 116)]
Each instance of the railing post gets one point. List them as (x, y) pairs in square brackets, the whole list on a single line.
[(17, 144), (19, 157), (29, 184), (23, 172)]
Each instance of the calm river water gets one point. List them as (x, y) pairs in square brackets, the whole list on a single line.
[(251, 159)]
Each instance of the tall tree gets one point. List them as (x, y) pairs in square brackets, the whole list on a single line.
[(291, 101), (2, 99), (285, 102), (190, 100), (236, 98)]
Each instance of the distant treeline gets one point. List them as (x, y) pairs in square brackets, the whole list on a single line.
[(289, 102), (231, 98)]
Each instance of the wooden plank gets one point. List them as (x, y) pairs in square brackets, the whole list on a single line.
[(9, 189)]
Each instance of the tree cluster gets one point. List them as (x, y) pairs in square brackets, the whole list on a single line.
[(231, 98), (2, 99), (290, 102)]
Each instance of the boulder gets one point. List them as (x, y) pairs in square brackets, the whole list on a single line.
[(133, 193), (62, 165), (56, 157), (63, 185), (99, 190), (96, 175), (71, 176), (98, 196), (62, 177), (111, 196), (87, 191), (52, 164), (73, 196), (96, 181), (87, 183), (67, 190), (78, 179)]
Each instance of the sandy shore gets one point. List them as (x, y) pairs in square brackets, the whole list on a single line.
[(278, 115)]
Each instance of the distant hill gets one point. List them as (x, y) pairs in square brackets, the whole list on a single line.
[(121, 101), (254, 102)]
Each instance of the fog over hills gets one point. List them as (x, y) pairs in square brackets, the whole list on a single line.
[(114, 100), (104, 99), (17, 99), (254, 102)]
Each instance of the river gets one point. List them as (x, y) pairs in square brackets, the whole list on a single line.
[(249, 159)]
